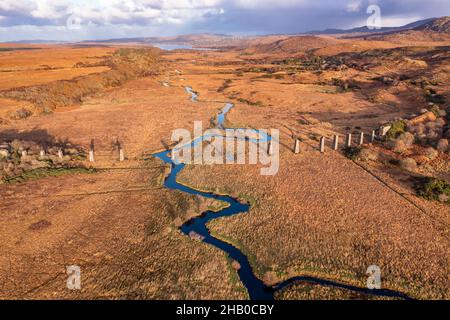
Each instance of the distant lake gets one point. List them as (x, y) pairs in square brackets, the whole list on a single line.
[(171, 47)]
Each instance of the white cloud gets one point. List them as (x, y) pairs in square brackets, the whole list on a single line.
[(53, 12), (10, 5), (354, 6), (50, 9), (268, 4), (147, 11), (46, 18)]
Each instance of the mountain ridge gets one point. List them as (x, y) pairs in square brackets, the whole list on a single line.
[(365, 29)]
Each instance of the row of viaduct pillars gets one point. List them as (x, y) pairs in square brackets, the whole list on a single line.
[(92, 152), (336, 141)]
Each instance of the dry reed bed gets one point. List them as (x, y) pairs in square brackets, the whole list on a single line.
[(322, 215), (126, 244)]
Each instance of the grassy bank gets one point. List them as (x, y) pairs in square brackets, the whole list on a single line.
[(124, 64), (47, 172)]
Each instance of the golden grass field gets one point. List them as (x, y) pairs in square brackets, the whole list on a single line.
[(322, 214), (20, 68)]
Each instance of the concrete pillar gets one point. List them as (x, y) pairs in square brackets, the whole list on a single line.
[(91, 151), (384, 130), (348, 142), (361, 138), (121, 155), (336, 142), (297, 146), (372, 138), (322, 144), (270, 148)]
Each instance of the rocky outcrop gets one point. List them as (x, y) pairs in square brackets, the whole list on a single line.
[(19, 156)]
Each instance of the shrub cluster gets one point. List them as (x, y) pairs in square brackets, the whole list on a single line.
[(397, 128), (352, 152), (434, 189)]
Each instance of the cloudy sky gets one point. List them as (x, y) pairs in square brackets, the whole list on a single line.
[(104, 19)]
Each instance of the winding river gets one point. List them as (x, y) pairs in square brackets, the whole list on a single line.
[(256, 288), (193, 94)]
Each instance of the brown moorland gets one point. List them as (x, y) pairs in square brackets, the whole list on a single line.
[(100, 221), (322, 214), (22, 66)]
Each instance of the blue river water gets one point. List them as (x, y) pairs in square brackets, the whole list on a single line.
[(171, 47), (194, 95), (256, 288), (223, 114)]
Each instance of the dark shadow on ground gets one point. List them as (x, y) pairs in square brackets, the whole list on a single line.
[(37, 136)]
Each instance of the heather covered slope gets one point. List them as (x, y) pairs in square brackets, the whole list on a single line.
[(441, 25), (121, 66), (436, 30)]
